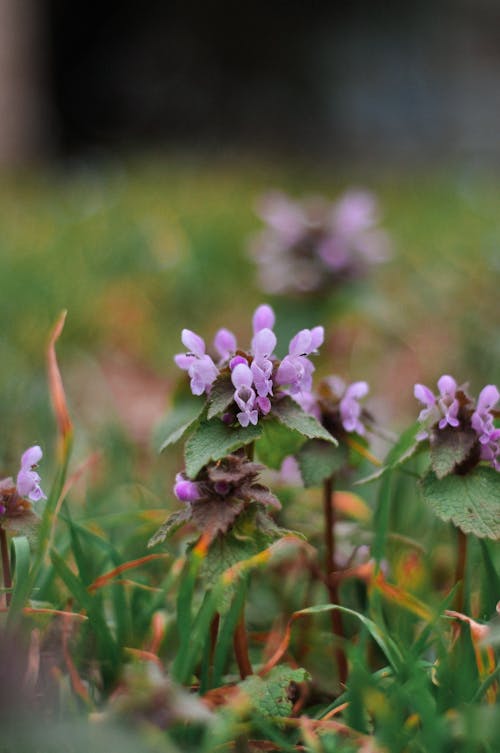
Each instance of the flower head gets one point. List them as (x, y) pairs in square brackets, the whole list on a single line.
[(257, 375), (453, 408), (311, 245), (28, 480), (13, 497), (296, 369)]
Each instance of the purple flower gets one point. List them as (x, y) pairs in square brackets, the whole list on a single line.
[(225, 344), (443, 409), (28, 480), (263, 318), (490, 448), (255, 374), (482, 419), (354, 213), (244, 396), (295, 370), (350, 409), (185, 490), (448, 402), (263, 344), (200, 367), (285, 217)]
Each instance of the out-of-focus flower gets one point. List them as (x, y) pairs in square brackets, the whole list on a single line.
[(312, 245), (454, 408), (337, 405)]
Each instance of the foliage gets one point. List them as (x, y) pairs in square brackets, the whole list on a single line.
[(134, 648)]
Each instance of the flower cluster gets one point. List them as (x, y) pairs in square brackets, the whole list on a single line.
[(337, 406), (255, 375), (311, 245), (222, 491), (454, 408), (13, 496)]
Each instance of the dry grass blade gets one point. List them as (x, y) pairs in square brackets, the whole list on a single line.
[(56, 388), (103, 580)]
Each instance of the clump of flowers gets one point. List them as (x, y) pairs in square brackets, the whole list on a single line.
[(337, 406), (453, 410), (15, 497), (256, 376), (219, 494), (309, 246)]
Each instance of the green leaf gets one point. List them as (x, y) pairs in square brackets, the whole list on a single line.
[(277, 442), (221, 395), (253, 532), (174, 521), (471, 501), (213, 440), (181, 418), (405, 448), (289, 413), (270, 696), (319, 460), (20, 560), (450, 448)]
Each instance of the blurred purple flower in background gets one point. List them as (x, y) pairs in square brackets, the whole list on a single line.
[(312, 245)]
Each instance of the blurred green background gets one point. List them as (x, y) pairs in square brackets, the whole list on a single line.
[(137, 250)]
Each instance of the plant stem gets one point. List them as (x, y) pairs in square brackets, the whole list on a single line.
[(240, 643), (460, 570), (214, 632), (7, 579), (332, 586)]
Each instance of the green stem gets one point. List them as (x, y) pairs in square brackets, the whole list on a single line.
[(331, 584), (7, 578), (460, 570)]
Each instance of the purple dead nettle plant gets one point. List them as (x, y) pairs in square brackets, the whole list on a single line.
[(310, 246), (257, 375), (462, 484), (336, 405), (16, 500)]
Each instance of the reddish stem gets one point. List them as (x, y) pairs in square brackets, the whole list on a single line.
[(331, 584), (460, 570), (7, 578), (240, 642)]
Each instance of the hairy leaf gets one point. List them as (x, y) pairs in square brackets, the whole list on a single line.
[(289, 413), (174, 521), (214, 516), (450, 448), (471, 501), (273, 695), (181, 418), (277, 442), (221, 395), (213, 440), (318, 460)]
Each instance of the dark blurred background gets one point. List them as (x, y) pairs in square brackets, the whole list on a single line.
[(363, 79)]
